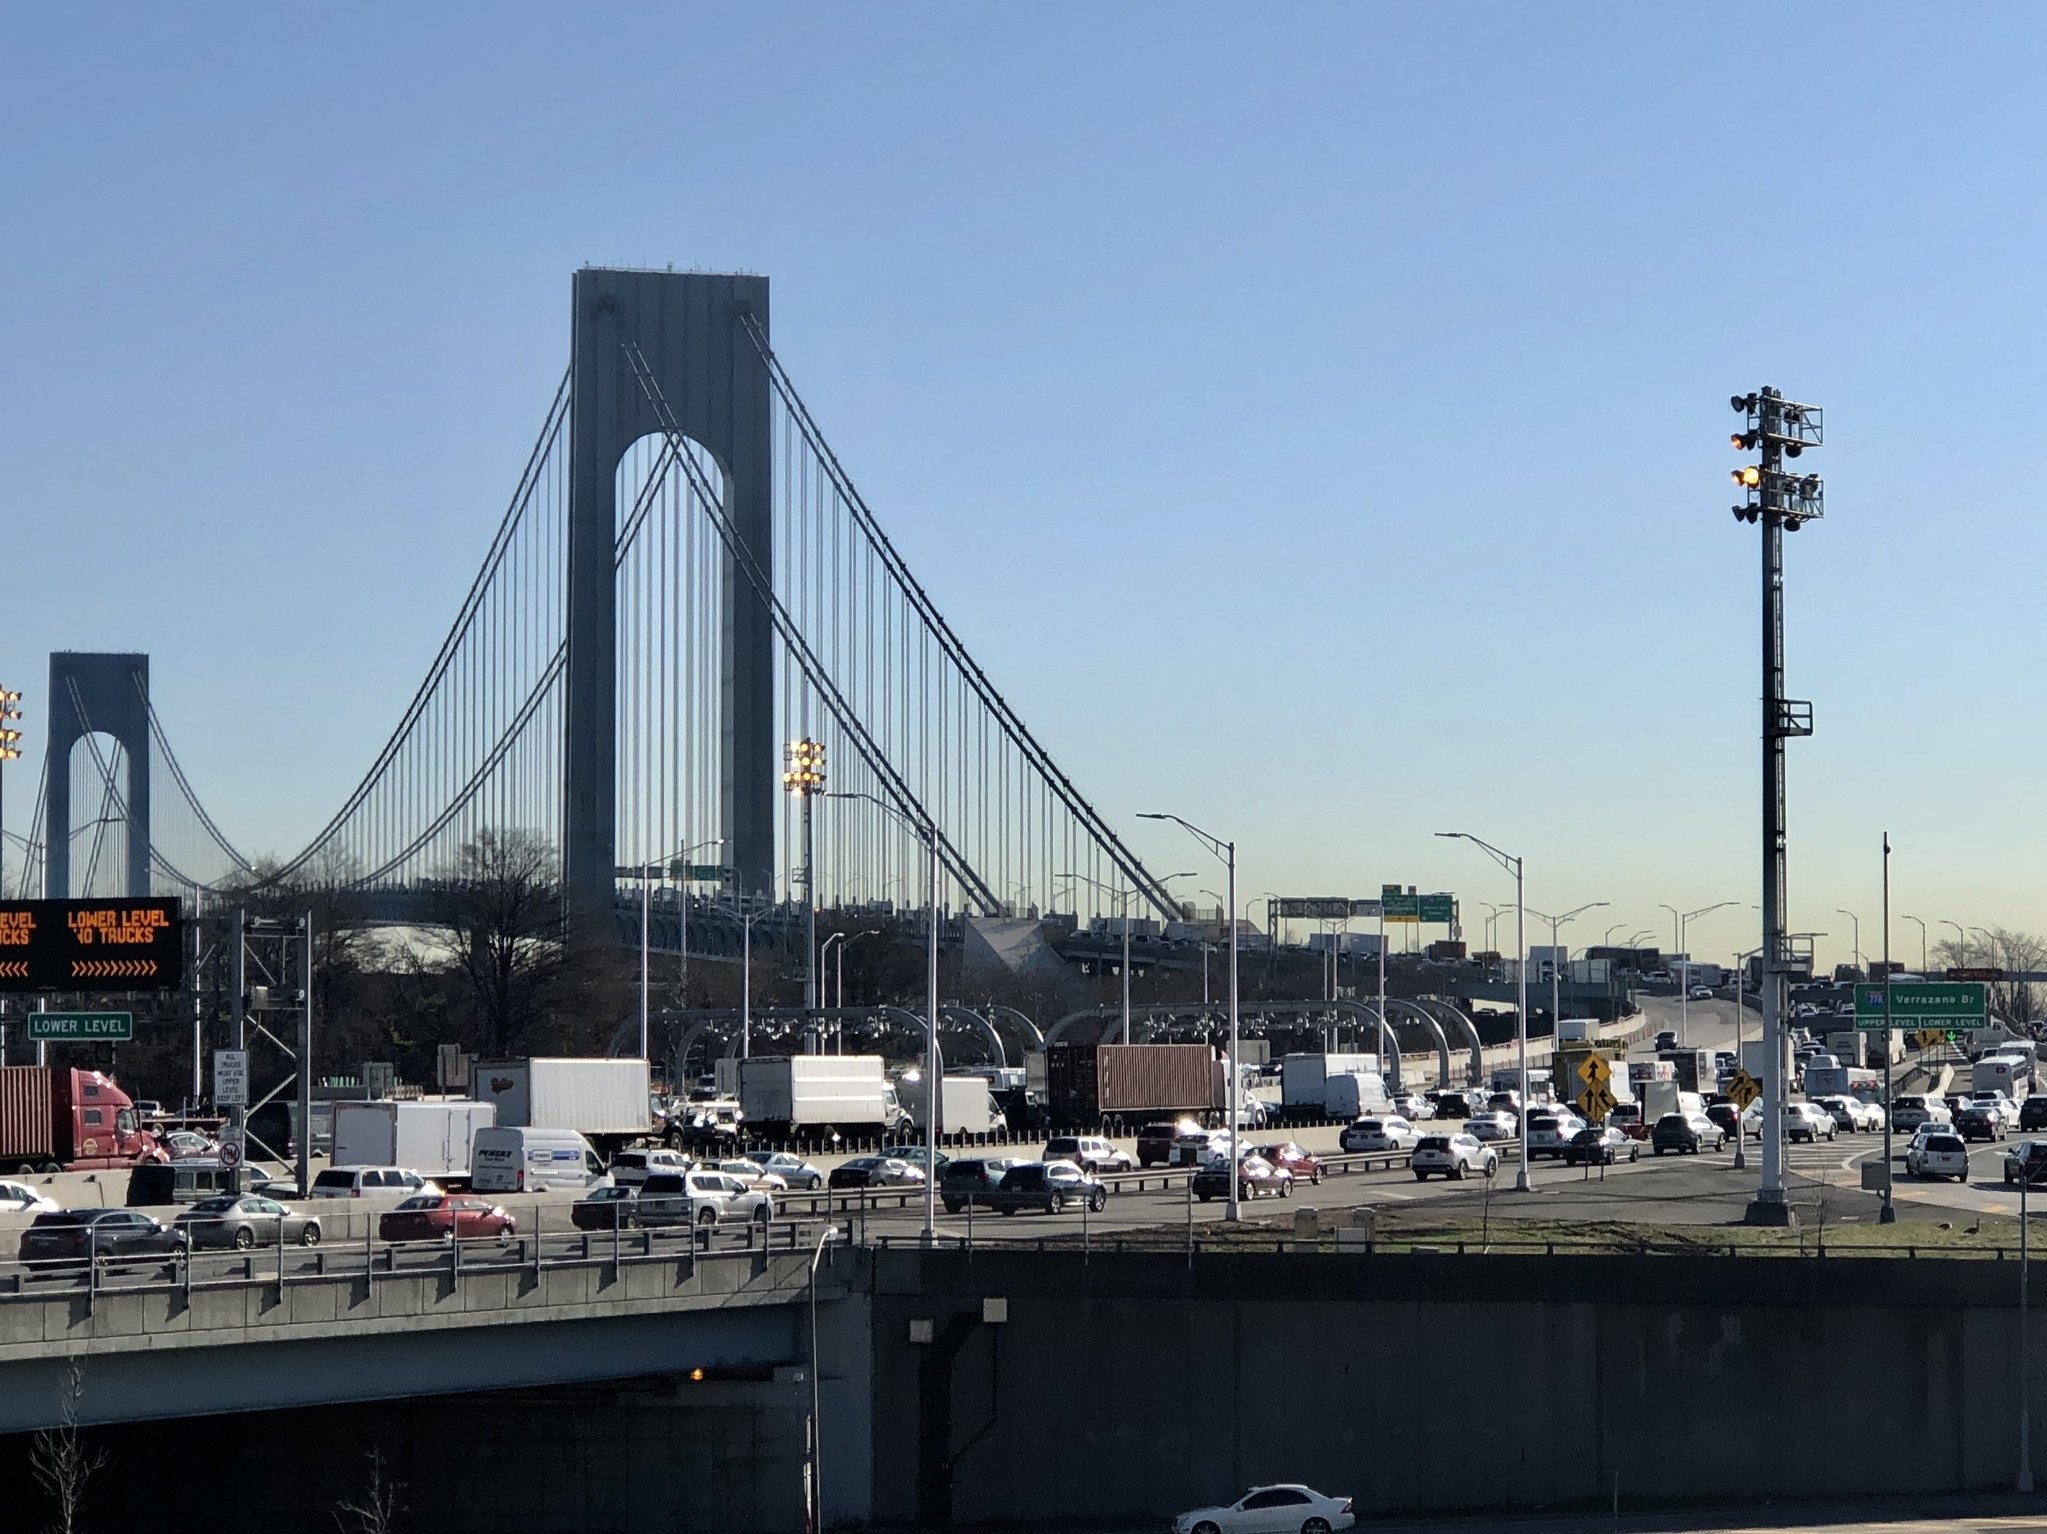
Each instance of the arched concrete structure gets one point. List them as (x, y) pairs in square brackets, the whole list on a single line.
[(1028, 1032), (1461, 1020), (107, 695), (725, 1024), (688, 326)]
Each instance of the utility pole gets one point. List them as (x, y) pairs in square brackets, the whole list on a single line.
[(1782, 502), (10, 749), (805, 779)]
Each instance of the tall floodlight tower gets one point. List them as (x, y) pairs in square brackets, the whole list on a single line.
[(1782, 501)]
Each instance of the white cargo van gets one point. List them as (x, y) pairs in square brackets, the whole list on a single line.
[(1351, 1094), (523, 1160)]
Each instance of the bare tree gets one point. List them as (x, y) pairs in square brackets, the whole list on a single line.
[(61, 1463), (375, 1509), (531, 970)]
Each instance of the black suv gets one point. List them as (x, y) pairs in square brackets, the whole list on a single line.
[(1049, 1186), (1155, 1143), (2033, 1112), (976, 1180)]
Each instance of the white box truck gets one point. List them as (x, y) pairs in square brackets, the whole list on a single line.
[(965, 1104), (608, 1102), (1303, 1081), (431, 1136), (815, 1095)]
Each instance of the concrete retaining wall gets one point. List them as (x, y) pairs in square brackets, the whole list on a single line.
[(1546, 1379)]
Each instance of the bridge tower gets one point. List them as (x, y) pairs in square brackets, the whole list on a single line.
[(96, 694), (689, 328)]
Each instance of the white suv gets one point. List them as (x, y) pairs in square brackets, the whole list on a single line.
[(369, 1181), (1091, 1153), (630, 1168), (1550, 1131), (1938, 1152), (702, 1197), (1452, 1156), (1807, 1121), (1389, 1132), (1912, 1111)]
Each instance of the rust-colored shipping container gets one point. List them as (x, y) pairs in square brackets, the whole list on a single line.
[(1085, 1081), (27, 1117)]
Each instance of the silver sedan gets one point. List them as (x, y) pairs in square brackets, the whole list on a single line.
[(245, 1221), (1492, 1126)]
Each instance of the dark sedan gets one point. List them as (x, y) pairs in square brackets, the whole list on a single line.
[(246, 1221), (1601, 1147), (1255, 1175), (613, 1208), (72, 1235), (877, 1172), (1049, 1186), (1686, 1133)]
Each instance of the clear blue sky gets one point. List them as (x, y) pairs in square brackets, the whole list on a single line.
[(1365, 366)]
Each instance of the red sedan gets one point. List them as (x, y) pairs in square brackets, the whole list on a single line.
[(1304, 1164), (438, 1216)]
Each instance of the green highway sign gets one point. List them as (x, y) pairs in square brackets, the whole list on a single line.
[(705, 873), (1439, 908), (1397, 905), (1916, 1003), (80, 1027)]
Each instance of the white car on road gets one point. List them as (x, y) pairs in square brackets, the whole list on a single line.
[(1941, 1153), (20, 1198), (1853, 1114), (1550, 1131), (2006, 1110), (1388, 1132), (1452, 1156), (1271, 1510), (1808, 1121), (1491, 1126)]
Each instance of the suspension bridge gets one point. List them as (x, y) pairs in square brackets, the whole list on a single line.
[(684, 578)]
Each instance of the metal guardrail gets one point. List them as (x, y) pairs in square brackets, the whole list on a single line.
[(272, 1266)]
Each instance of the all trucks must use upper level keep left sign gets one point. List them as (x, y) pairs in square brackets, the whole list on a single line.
[(91, 945)]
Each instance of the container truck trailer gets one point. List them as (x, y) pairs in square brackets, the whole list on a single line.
[(1091, 1084), (58, 1119)]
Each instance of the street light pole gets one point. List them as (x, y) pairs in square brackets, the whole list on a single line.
[(1961, 940), (1855, 928), (1684, 980), (926, 830), (1555, 964), (1523, 1183), (1922, 942), (1122, 899), (1227, 851), (682, 911)]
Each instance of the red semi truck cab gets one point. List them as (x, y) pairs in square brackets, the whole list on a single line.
[(56, 1118)]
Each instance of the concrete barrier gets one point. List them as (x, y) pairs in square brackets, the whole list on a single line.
[(1671, 1380)]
